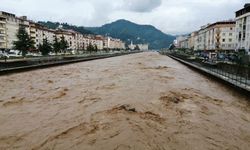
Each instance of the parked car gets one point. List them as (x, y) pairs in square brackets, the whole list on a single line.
[(13, 54)]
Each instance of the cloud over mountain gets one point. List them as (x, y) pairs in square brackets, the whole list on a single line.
[(142, 5), (171, 16)]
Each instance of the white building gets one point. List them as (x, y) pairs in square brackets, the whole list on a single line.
[(141, 46), (68, 36), (179, 41), (39, 32), (9, 25), (221, 36), (201, 39), (243, 28), (192, 40)]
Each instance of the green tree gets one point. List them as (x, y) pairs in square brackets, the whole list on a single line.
[(45, 48), (24, 42), (95, 48), (172, 47), (56, 45), (64, 44), (90, 48), (137, 47)]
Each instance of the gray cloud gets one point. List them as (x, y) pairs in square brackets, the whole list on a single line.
[(170, 16), (142, 5)]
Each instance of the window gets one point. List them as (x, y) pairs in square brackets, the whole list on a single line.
[(223, 40), (223, 34), (230, 34), (231, 28), (230, 40)]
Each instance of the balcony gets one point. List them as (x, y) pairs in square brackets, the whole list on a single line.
[(2, 33), (2, 40), (2, 22)]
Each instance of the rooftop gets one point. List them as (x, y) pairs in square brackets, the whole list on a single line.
[(244, 10)]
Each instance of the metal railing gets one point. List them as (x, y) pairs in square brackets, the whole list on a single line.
[(237, 74)]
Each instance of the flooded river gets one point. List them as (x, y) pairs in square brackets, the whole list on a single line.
[(142, 101)]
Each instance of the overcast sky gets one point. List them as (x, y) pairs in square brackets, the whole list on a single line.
[(170, 16)]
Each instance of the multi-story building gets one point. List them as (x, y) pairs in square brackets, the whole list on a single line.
[(39, 32), (132, 46), (68, 35), (98, 41), (143, 46), (111, 43), (80, 45), (9, 27), (192, 40), (221, 36), (179, 40), (185, 42), (201, 39), (243, 28), (3, 43)]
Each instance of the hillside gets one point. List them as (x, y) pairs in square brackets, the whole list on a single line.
[(54, 25), (127, 31)]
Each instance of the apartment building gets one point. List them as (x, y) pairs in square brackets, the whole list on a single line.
[(201, 39), (69, 36), (179, 41), (243, 28), (192, 39), (212, 37), (112, 43), (3, 43), (39, 32), (221, 36), (9, 25), (79, 41), (184, 43), (143, 46)]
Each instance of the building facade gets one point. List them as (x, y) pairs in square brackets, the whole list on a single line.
[(211, 37), (243, 28), (221, 36), (9, 25), (191, 40), (201, 39), (38, 33)]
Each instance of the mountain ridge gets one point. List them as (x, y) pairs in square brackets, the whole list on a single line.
[(125, 30), (129, 31)]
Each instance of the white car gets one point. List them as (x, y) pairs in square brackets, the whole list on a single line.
[(13, 54)]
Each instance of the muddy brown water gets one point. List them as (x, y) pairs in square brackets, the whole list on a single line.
[(143, 101)]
